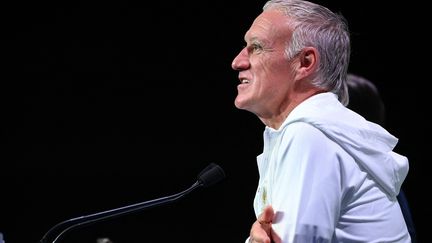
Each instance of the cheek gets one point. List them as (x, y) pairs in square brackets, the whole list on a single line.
[(266, 68), (276, 70)]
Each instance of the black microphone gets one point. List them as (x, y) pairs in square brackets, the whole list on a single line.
[(210, 175)]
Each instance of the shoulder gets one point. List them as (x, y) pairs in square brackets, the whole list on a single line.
[(303, 139), (304, 133)]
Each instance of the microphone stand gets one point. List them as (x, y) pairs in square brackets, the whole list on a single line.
[(210, 175)]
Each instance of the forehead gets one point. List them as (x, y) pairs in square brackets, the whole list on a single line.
[(270, 24)]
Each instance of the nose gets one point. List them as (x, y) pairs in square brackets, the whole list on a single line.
[(241, 61)]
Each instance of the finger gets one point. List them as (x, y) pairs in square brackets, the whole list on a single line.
[(267, 215), (260, 233), (275, 237)]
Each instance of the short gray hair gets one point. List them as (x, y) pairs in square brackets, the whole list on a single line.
[(317, 26)]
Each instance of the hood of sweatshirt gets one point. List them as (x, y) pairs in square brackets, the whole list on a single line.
[(368, 143)]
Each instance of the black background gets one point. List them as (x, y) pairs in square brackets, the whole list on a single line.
[(105, 104)]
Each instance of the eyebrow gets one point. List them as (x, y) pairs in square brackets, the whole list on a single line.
[(253, 39)]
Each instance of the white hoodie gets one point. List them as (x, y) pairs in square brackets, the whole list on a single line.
[(331, 176)]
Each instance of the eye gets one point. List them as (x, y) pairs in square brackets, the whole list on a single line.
[(255, 47)]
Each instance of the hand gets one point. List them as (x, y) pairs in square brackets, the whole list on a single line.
[(261, 231)]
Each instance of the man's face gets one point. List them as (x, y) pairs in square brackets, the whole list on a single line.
[(264, 71)]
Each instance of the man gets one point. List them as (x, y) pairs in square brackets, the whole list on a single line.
[(326, 174)]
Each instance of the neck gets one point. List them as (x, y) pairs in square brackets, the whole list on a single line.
[(276, 119)]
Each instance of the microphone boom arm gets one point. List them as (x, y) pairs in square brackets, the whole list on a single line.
[(210, 175), (96, 217)]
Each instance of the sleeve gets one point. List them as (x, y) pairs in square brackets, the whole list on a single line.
[(306, 185)]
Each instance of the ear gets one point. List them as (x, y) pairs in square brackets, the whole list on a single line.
[(308, 62)]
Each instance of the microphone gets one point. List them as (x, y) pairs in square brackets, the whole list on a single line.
[(210, 175)]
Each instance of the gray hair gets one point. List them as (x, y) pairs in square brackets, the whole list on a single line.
[(316, 26)]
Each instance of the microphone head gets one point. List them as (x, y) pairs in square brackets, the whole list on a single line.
[(210, 175)]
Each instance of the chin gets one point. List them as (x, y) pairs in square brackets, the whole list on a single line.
[(241, 104)]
